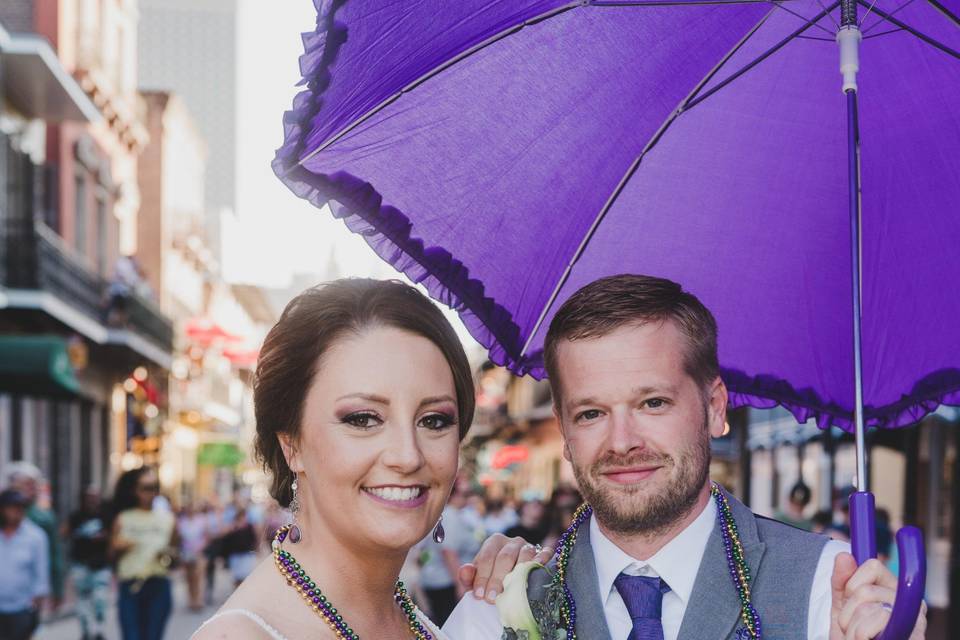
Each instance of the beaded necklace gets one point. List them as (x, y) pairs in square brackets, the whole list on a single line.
[(736, 562), (308, 589)]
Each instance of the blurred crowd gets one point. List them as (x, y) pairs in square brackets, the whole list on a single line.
[(118, 556), (468, 519)]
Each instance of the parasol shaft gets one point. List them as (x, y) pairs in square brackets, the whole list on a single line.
[(849, 38), (853, 140)]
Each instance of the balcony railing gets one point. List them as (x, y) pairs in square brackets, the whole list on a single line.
[(38, 259)]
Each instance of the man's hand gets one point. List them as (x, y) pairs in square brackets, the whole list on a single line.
[(862, 600), (496, 558)]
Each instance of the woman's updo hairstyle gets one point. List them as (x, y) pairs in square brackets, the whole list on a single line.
[(309, 326)]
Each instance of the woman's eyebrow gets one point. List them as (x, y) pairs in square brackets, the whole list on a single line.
[(436, 399), (365, 396)]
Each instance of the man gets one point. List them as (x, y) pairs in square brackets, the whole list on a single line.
[(25, 578), (632, 362), (27, 479)]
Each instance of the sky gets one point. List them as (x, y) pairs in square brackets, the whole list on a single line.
[(273, 234)]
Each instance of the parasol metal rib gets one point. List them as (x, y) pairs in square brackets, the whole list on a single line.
[(952, 17), (763, 56), (933, 42), (629, 174)]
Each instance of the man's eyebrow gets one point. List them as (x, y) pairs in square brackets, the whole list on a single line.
[(669, 389)]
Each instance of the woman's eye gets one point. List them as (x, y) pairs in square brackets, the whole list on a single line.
[(436, 421), (362, 420), (589, 414)]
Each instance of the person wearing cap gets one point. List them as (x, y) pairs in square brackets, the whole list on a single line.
[(25, 579), (28, 480)]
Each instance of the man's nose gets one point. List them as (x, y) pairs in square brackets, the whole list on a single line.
[(625, 433)]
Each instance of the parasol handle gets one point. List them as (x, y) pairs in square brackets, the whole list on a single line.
[(913, 564)]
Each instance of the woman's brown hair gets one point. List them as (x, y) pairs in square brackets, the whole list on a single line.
[(309, 326)]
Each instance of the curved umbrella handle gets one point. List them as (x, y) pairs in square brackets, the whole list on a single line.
[(913, 564)]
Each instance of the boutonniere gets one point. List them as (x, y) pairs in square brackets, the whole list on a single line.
[(525, 619)]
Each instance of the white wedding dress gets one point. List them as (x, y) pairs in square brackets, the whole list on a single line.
[(276, 635)]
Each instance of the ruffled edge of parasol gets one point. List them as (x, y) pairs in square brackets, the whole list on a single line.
[(388, 232)]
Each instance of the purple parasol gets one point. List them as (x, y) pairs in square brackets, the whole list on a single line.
[(505, 153)]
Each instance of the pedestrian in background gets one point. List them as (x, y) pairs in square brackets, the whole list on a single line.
[(797, 502), (214, 549), (533, 523), (141, 542), (192, 527), (88, 530), (28, 480), (240, 547), (25, 578)]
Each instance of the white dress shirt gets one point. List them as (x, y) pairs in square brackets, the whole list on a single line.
[(677, 563)]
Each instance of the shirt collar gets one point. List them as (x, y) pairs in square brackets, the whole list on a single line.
[(677, 562)]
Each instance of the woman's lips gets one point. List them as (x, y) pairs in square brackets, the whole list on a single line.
[(630, 476), (399, 497)]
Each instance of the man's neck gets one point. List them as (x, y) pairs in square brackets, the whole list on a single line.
[(644, 545)]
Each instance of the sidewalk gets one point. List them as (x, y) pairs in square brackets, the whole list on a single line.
[(181, 626)]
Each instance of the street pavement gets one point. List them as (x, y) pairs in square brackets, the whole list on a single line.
[(181, 626)]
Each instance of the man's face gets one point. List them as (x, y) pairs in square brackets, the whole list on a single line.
[(636, 426), (13, 515)]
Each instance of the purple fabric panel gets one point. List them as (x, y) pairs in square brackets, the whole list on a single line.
[(910, 158), (482, 181), (384, 48), (464, 154), (759, 233)]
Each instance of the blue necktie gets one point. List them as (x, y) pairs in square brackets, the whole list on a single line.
[(643, 597)]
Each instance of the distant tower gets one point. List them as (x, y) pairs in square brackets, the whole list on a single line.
[(190, 47)]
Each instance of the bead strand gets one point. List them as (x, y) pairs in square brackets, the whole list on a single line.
[(297, 578)]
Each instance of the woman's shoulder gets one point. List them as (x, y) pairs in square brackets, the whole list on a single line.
[(242, 624)]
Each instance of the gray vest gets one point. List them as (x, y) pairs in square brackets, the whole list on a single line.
[(782, 561)]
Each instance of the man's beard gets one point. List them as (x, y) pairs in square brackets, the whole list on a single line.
[(633, 510)]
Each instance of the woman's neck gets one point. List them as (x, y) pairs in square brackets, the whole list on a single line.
[(360, 582)]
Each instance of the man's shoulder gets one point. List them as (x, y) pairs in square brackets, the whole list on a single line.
[(786, 533), (32, 531)]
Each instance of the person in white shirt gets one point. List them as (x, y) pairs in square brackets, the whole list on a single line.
[(632, 361)]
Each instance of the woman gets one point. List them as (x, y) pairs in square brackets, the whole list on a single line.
[(362, 395), (192, 527), (141, 542)]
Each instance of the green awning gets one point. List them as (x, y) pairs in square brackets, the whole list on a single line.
[(36, 365), (220, 454)]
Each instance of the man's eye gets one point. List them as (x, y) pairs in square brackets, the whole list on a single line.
[(656, 403), (589, 414), (437, 421), (362, 420)]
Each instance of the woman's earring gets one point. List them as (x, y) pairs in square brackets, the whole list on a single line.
[(295, 535), (438, 533)]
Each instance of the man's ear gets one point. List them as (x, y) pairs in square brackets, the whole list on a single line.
[(290, 452), (717, 409)]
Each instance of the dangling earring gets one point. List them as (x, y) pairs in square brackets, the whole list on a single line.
[(438, 533), (295, 535)]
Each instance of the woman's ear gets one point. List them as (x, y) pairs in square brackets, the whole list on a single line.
[(290, 452)]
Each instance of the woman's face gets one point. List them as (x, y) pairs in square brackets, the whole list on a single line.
[(148, 486), (378, 446)]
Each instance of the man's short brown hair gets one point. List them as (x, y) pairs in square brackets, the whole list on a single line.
[(607, 304)]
